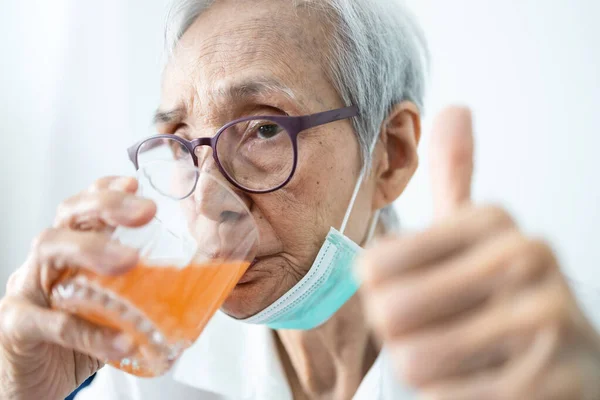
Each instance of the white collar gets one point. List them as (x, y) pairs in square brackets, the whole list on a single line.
[(240, 361), (235, 360)]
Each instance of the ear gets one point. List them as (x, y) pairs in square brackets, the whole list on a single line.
[(396, 157)]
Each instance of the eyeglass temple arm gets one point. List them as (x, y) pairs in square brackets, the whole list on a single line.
[(311, 121), (132, 153)]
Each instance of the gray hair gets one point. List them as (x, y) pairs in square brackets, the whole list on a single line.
[(377, 58)]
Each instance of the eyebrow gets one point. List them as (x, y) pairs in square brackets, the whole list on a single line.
[(253, 87), (238, 90), (165, 117)]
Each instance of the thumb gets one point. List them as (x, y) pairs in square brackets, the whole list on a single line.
[(451, 160)]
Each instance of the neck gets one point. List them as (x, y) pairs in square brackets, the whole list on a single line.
[(332, 360)]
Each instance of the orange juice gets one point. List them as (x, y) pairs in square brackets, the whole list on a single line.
[(164, 308)]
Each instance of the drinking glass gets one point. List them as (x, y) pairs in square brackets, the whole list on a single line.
[(192, 254)]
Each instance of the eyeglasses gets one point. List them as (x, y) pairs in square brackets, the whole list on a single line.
[(256, 154)]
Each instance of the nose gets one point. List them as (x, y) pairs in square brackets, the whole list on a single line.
[(221, 225), (220, 222), (216, 201), (214, 197)]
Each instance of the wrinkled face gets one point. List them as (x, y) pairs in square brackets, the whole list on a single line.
[(245, 58)]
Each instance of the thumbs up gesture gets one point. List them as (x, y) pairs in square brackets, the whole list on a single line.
[(472, 308)]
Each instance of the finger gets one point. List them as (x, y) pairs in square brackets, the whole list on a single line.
[(392, 258), (482, 386), (57, 249), (451, 160), (26, 326), (532, 376), (116, 183), (93, 251), (414, 301), (97, 210), (561, 383), (496, 332)]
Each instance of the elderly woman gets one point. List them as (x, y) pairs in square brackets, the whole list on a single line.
[(468, 309)]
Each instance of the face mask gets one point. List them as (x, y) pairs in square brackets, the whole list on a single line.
[(327, 286)]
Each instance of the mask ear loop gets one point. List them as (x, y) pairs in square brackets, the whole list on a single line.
[(361, 178), (373, 226)]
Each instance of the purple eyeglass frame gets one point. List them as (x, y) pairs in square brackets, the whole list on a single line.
[(292, 125)]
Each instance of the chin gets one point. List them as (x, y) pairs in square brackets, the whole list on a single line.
[(258, 288), (244, 300)]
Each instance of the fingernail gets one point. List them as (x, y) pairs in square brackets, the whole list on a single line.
[(134, 207), (121, 183), (119, 254), (373, 314), (401, 356), (123, 344), (360, 271)]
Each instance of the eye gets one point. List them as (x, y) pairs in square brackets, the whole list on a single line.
[(178, 150), (268, 131)]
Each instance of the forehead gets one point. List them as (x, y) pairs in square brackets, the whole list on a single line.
[(270, 41)]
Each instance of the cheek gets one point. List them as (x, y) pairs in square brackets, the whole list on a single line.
[(287, 224), (317, 197), (329, 172)]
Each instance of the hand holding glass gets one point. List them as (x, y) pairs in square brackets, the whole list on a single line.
[(192, 255)]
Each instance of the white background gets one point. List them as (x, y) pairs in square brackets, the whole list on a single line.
[(529, 69), (79, 81)]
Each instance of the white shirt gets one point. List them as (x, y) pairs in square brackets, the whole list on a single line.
[(230, 361), (233, 361)]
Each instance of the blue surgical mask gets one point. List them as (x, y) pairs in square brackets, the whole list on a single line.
[(327, 286), (321, 293)]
